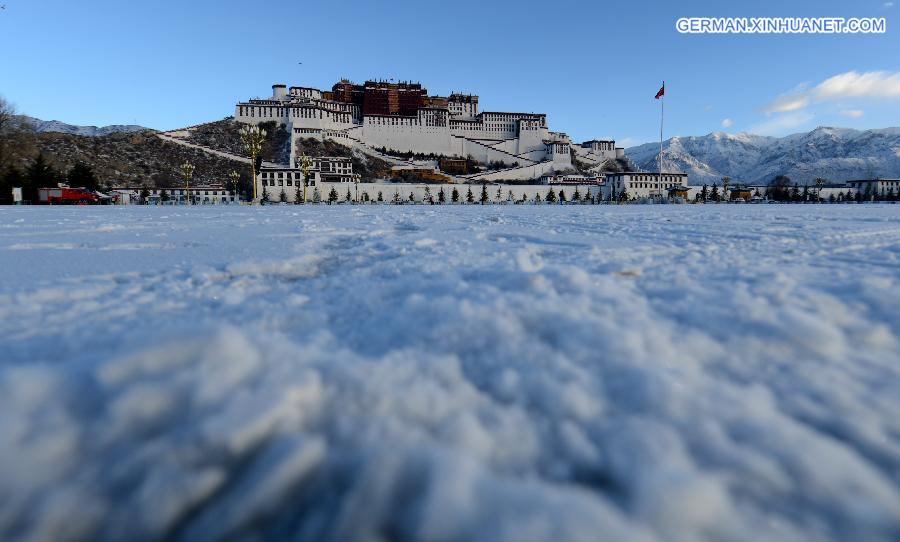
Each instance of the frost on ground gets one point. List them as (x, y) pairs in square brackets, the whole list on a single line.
[(450, 373)]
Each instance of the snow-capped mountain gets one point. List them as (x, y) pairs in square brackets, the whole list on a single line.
[(88, 131), (837, 154)]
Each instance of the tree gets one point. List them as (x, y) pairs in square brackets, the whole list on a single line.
[(348, 198), (380, 197), (164, 195), (396, 199), (282, 197), (427, 195), (298, 195), (454, 197), (263, 199), (10, 179), (831, 198), (624, 195), (510, 198), (470, 198), (499, 194), (317, 196), (550, 197), (39, 174), (442, 198), (576, 197), (484, 194), (537, 198), (411, 198), (714, 193), (332, 196), (144, 196), (81, 175), (8, 127), (704, 193), (779, 188)]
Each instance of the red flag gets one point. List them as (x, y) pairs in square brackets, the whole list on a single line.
[(662, 91)]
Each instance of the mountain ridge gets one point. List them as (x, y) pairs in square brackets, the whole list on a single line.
[(43, 126), (836, 154)]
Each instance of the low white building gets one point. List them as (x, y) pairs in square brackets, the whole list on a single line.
[(272, 181), (875, 188), (643, 184), (199, 195), (573, 179)]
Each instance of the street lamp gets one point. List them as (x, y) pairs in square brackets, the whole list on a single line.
[(187, 172), (820, 182), (253, 138)]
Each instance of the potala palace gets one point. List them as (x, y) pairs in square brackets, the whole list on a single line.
[(402, 117)]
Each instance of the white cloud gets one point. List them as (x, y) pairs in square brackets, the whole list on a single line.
[(626, 142), (888, 4), (727, 123), (852, 113), (852, 84), (782, 124), (786, 103)]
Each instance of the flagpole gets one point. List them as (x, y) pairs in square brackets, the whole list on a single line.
[(662, 113)]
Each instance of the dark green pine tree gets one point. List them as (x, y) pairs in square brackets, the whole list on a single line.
[(39, 174), (484, 195), (282, 197), (348, 198), (332, 196), (442, 198), (81, 175), (576, 197), (470, 197), (380, 196), (714, 193), (551, 196), (11, 178), (704, 193)]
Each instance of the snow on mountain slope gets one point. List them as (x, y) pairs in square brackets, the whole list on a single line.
[(88, 131), (837, 154), (450, 373)]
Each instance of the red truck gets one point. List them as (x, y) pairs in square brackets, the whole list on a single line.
[(67, 196)]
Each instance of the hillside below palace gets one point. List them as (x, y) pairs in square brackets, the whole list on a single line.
[(402, 117)]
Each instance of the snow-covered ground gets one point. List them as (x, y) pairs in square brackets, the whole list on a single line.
[(450, 373)]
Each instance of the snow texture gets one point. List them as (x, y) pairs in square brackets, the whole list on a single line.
[(502, 373)]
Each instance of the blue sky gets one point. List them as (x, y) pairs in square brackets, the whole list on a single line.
[(592, 66)]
